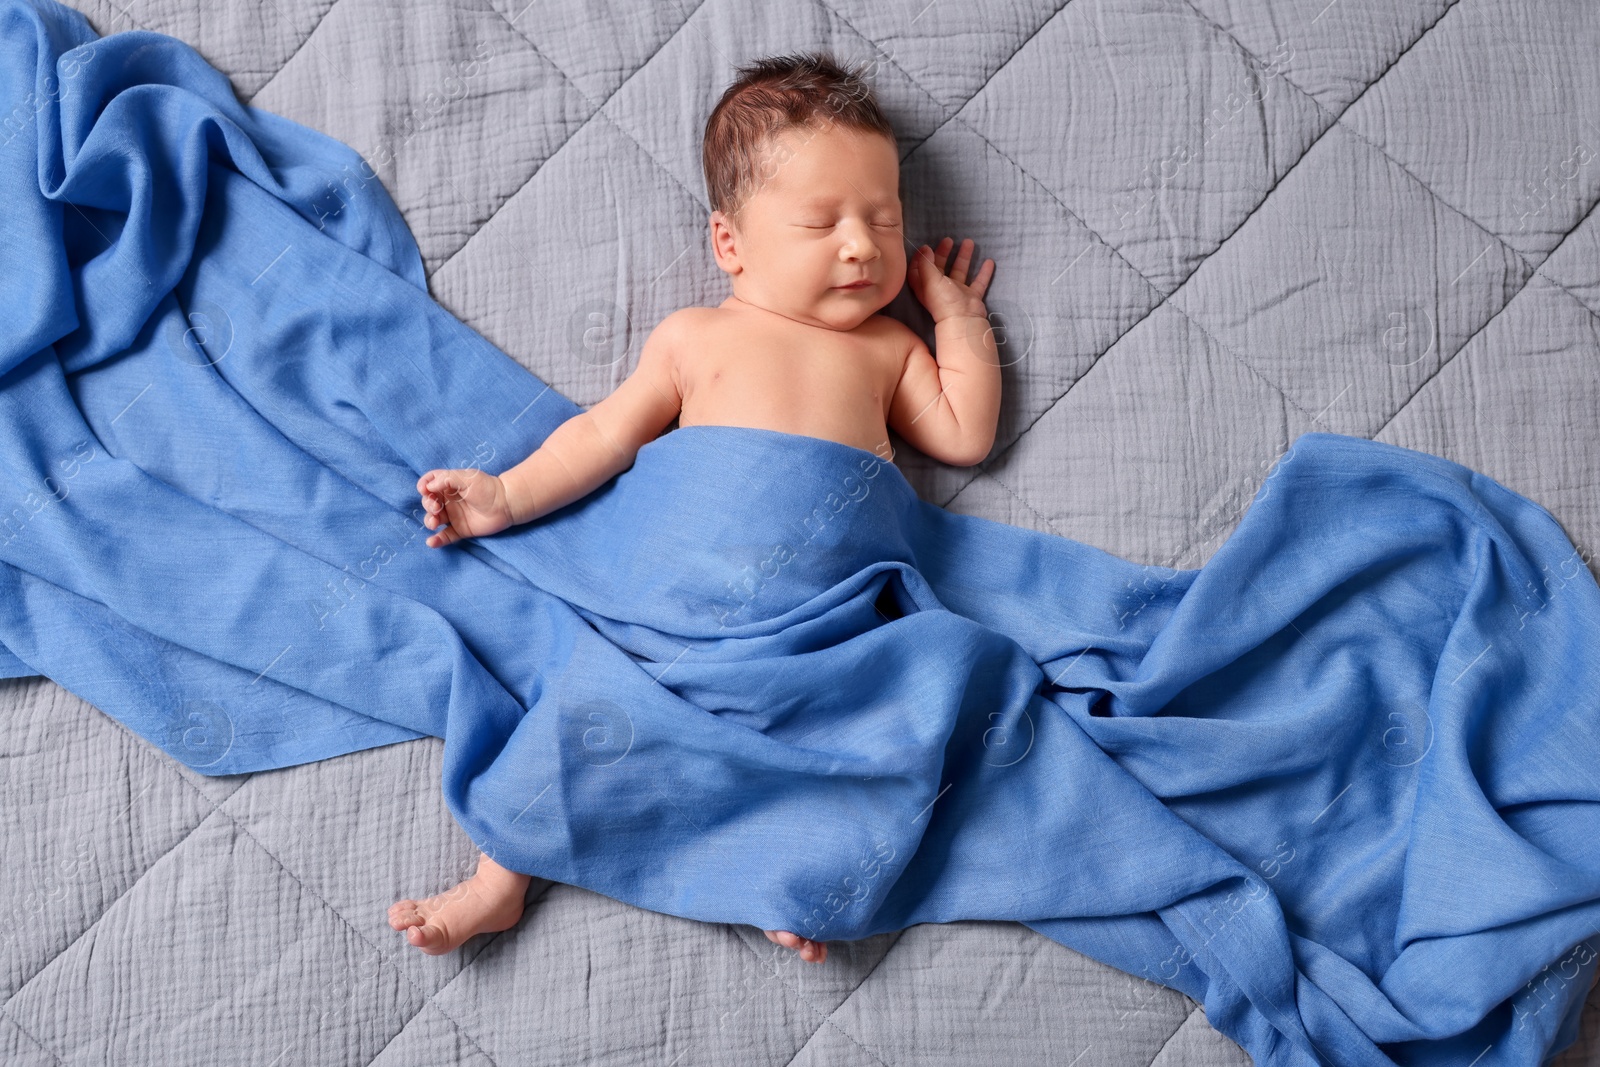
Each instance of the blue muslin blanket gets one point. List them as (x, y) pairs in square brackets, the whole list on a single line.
[(1341, 784)]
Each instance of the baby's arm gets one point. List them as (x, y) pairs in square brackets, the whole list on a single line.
[(588, 449), (949, 408)]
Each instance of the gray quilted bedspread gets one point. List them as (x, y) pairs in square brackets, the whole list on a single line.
[(1217, 224)]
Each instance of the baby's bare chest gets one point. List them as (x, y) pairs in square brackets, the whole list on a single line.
[(780, 374), (836, 388)]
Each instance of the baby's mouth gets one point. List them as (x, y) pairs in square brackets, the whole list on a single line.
[(864, 283)]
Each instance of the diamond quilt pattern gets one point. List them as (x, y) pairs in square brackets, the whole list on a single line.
[(1218, 224)]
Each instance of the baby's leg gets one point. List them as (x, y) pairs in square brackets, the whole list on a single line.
[(810, 951), (490, 901)]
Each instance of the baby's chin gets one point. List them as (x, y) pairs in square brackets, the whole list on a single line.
[(835, 311)]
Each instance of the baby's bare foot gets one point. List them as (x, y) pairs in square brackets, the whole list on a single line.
[(810, 951), (488, 902)]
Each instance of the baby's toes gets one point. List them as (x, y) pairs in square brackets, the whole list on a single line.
[(429, 938), (404, 913)]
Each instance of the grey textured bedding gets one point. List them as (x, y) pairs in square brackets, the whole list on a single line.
[(1217, 223)]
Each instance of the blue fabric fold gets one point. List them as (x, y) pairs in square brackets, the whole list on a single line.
[(1341, 784)]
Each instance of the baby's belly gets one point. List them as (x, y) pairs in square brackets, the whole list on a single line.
[(862, 429)]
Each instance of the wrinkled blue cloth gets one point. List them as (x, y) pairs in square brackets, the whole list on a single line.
[(1341, 784)]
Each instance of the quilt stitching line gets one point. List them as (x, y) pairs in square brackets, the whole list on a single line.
[(244, 828), (578, 129), (1316, 419), (97, 919), (848, 997), (297, 50), (1501, 241), (1576, 299), (876, 47), (137, 745), (827, 1018), (539, 164), (658, 164), (1173, 1036), (1532, 274), (1167, 298), (984, 468), (1199, 536), (1580, 301), (217, 809), (1463, 347), (1163, 300), (429, 999), (1041, 516), (1355, 132), (25, 1032), (1506, 246), (420, 1009)]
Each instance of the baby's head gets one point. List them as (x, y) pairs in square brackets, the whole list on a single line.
[(803, 173)]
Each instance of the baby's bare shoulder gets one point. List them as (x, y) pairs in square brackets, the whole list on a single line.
[(688, 322), (893, 338), (685, 322), (887, 326), (686, 332), (663, 347)]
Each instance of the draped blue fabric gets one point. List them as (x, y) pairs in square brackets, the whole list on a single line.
[(1341, 784)]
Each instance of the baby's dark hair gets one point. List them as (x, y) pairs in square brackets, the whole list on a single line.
[(771, 95)]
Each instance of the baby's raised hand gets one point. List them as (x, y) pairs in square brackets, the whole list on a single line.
[(949, 295), (467, 502)]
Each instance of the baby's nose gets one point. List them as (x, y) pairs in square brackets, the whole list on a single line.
[(858, 241), (859, 248)]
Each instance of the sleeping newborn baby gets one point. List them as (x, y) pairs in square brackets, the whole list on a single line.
[(803, 174)]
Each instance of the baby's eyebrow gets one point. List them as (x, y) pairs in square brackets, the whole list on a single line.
[(818, 201), (823, 200)]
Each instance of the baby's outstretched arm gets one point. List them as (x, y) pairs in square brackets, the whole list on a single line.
[(578, 457)]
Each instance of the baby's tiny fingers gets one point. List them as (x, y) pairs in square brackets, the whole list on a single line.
[(980, 284), (958, 270)]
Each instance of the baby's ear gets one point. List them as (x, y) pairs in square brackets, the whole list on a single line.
[(723, 245)]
